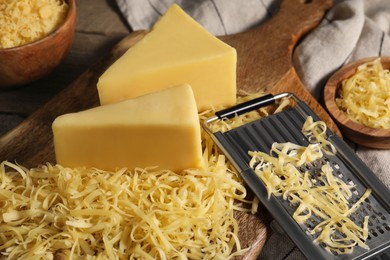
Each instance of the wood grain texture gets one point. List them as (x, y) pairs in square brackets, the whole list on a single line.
[(264, 64), (358, 133)]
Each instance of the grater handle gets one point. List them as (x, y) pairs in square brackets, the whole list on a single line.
[(245, 107)]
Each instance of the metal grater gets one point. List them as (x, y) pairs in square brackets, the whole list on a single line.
[(286, 126)]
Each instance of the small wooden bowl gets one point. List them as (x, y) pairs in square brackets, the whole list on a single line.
[(26, 63), (358, 133)]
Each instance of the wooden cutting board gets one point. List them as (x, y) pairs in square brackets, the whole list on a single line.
[(264, 64)]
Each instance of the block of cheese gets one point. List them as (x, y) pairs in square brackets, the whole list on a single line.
[(157, 129), (177, 50)]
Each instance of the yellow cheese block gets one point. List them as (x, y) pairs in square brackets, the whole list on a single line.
[(158, 129), (177, 50)]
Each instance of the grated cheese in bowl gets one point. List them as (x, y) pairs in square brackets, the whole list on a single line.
[(365, 96), (25, 21)]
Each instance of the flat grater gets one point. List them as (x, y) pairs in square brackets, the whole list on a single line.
[(286, 126)]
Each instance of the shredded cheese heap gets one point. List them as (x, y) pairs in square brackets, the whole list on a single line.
[(326, 196), (53, 211), (365, 96), (145, 214), (25, 21)]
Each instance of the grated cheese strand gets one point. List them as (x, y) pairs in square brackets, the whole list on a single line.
[(315, 132)]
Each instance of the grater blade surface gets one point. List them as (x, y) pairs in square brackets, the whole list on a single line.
[(284, 127)]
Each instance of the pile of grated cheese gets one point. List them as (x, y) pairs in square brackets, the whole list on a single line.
[(53, 211), (365, 96), (327, 197), (148, 214), (25, 21)]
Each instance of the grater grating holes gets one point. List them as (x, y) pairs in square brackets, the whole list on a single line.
[(386, 227), (336, 165), (355, 191), (380, 229)]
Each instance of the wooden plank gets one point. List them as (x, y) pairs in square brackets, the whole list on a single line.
[(9, 121)]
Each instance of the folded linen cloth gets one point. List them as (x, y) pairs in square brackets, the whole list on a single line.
[(217, 16), (350, 30)]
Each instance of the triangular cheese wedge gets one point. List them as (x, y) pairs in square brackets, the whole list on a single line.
[(158, 129), (177, 50)]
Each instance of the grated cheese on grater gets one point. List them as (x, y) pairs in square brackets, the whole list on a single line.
[(327, 197), (25, 21)]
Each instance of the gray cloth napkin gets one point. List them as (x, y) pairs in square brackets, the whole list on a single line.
[(351, 29)]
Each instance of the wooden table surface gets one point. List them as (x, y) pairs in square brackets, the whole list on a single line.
[(99, 27)]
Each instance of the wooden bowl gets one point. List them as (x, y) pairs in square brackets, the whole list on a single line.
[(358, 133), (26, 63)]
